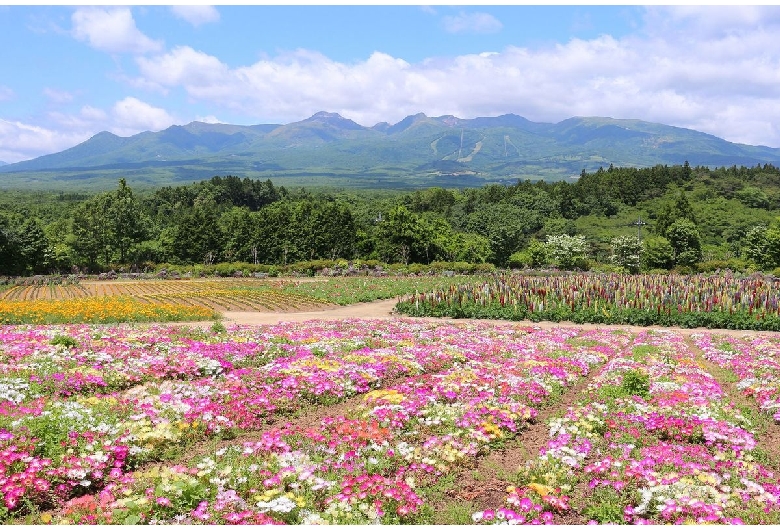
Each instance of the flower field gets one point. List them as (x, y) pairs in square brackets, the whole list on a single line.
[(144, 301), (104, 309), (359, 422), (228, 294), (189, 300), (724, 302)]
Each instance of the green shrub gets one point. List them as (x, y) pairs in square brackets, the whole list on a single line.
[(519, 260), (65, 341)]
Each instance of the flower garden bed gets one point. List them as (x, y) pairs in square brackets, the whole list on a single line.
[(114, 424), (722, 302), (652, 442)]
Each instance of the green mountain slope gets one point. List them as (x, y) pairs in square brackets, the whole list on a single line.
[(417, 151)]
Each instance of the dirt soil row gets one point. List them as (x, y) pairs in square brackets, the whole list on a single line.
[(384, 309)]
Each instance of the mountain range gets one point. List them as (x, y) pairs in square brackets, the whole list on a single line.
[(328, 149)]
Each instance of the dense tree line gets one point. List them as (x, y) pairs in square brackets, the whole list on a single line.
[(691, 214)]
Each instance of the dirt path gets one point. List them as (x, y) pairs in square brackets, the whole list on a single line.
[(485, 488), (384, 310)]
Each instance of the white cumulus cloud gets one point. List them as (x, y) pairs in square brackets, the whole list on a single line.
[(472, 23), (699, 73), (196, 15), (111, 30), (208, 119), (21, 141), (131, 116)]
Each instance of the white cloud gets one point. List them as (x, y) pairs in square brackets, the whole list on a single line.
[(181, 66), (6, 93), (196, 15), (22, 141), (132, 116), (721, 81), (208, 119), (111, 30), (57, 96), (472, 23)]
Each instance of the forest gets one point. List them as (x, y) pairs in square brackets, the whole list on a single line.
[(629, 219)]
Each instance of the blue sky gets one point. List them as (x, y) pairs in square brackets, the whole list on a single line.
[(67, 73)]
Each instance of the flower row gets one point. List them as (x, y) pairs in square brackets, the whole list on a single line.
[(375, 464), (754, 360), (653, 441)]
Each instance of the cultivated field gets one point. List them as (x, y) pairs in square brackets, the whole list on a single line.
[(215, 294), (392, 420)]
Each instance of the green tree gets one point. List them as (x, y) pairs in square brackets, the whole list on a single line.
[(33, 246), (471, 248), (657, 253), (755, 247), (401, 233), (9, 252), (91, 237), (333, 230), (685, 240), (506, 226), (672, 211), (125, 224), (238, 231), (754, 197), (198, 237)]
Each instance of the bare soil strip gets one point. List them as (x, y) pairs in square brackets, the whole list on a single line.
[(385, 309), (485, 487)]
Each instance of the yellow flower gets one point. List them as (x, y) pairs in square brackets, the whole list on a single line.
[(541, 489), (45, 518)]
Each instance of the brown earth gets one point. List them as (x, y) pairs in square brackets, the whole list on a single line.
[(384, 310)]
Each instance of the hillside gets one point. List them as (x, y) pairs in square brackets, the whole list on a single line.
[(328, 149)]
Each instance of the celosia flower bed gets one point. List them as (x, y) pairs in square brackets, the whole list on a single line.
[(116, 425), (653, 442), (722, 302)]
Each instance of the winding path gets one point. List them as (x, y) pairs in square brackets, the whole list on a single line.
[(383, 310)]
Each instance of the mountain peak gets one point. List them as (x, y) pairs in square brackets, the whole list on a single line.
[(333, 119), (323, 115), (498, 147)]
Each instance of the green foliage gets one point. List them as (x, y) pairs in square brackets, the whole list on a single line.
[(685, 240), (519, 260), (538, 253), (231, 219), (657, 253), (218, 328), (65, 341), (636, 383)]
